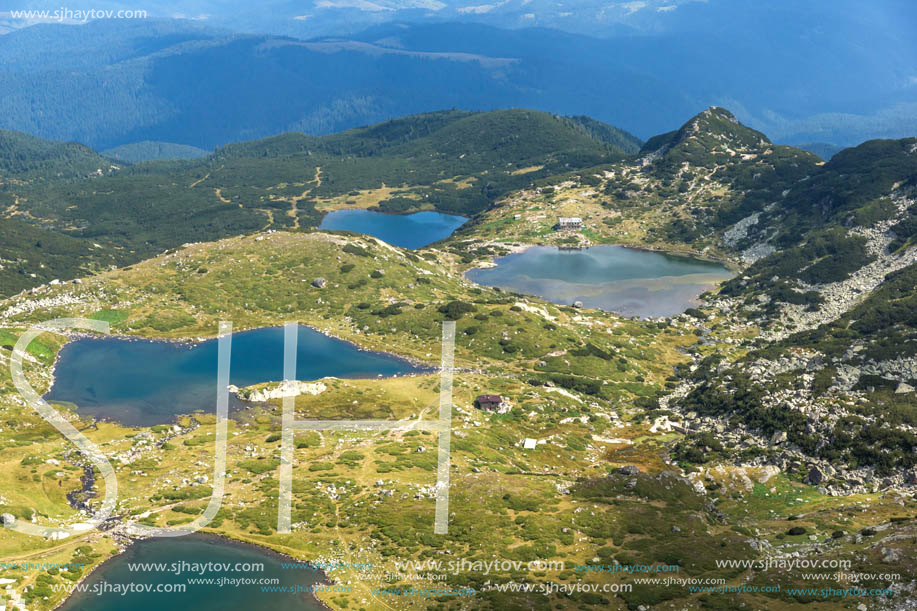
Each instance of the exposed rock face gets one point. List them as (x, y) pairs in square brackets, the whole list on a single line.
[(839, 297), (292, 389)]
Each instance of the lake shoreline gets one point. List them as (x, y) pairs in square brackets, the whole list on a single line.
[(190, 342), (518, 249), (420, 368), (410, 230), (728, 263), (223, 539)]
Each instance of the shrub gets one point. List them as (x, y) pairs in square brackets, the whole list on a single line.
[(356, 250), (456, 309)]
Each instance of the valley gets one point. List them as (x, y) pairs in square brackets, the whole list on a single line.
[(716, 435)]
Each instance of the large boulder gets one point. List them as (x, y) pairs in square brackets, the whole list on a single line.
[(816, 476), (778, 438)]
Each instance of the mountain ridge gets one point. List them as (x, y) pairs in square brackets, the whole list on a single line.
[(461, 160), (168, 74)]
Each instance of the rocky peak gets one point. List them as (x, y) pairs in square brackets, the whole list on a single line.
[(714, 132)]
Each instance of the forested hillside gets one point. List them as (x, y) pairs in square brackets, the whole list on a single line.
[(453, 161), (25, 156), (149, 151), (109, 82)]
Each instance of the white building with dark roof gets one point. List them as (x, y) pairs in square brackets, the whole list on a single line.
[(572, 223)]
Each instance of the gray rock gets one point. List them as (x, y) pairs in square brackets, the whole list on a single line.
[(577, 304), (890, 555), (629, 470), (815, 476), (319, 283)]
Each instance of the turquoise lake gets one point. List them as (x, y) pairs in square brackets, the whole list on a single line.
[(173, 553), (144, 382), (624, 280), (404, 230)]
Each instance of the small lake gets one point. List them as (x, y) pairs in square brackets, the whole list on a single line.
[(146, 382), (613, 278), (404, 230), (196, 549)]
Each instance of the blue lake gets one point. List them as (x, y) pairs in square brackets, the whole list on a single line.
[(200, 550), (613, 278), (144, 382), (405, 230)]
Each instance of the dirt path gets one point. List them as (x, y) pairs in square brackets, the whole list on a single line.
[(199, 181), (219, 194), (270, 218), (293, 212), (48, 550)]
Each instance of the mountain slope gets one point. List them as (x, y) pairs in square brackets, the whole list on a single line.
[(690, 441), (114, 82), (455, 161), (22, 155), (814, 338), (835, 367), (148, 151)]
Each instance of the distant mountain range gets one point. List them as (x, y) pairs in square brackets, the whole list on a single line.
[(834, 76), (777, 20), (822, 149)]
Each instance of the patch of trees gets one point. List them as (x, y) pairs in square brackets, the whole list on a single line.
[(456, 309), (591, 349), (580, 384)]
